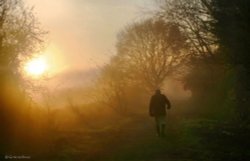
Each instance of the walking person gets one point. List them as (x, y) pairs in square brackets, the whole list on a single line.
[(157, 109)]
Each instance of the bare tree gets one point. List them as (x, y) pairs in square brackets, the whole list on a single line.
[(112, 86), (20, 37), (151, 50), (194, 20), (206, 65)]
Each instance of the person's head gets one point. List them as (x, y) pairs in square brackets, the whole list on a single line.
[(157, 91)]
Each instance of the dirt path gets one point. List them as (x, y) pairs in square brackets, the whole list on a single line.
[(133, 140)]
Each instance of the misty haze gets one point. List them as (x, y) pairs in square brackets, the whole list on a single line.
[(131, 80)]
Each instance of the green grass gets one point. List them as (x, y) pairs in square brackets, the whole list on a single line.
[(134, 139)]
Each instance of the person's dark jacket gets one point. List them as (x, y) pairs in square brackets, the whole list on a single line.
[(158, 104)]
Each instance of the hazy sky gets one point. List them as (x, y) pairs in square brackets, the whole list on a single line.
[(83, 32)]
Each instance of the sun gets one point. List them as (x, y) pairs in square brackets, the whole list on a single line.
[(36, 66)]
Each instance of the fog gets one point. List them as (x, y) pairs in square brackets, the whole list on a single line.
[(124, 80)]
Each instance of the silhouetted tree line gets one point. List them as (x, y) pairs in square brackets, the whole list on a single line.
[(20, 37), (204, 43), (232, 29)]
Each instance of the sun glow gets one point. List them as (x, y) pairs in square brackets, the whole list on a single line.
[(36, 66)]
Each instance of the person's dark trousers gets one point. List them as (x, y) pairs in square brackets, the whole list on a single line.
[(162, 130), (158, 130), (160, 126)]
